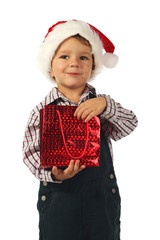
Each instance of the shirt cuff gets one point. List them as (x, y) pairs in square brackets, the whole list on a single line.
[(110, 109), (47, 176)]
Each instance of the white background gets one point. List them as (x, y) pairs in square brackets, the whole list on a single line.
[(133, 26)]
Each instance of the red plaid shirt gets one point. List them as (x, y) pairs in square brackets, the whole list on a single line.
[(117, 122)]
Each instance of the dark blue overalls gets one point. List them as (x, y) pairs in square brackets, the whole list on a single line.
[(84, 207)]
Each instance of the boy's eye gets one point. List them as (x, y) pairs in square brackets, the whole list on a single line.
[(64, 57), (84, 58)]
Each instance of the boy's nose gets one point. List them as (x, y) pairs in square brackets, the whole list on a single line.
[(74, 63)]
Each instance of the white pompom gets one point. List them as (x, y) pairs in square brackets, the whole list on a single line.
[(109, 60)]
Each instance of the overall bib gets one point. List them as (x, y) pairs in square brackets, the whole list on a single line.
[(84, 207)]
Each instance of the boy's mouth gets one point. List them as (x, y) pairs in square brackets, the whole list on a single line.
[(73, 74)]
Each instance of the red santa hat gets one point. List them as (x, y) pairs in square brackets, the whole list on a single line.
[(65, 29)]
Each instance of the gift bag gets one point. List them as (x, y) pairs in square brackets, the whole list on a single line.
[(63, 137)]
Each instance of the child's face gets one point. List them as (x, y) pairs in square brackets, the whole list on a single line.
[(72, 64)]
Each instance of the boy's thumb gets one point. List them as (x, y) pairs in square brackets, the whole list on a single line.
[(54, 169)]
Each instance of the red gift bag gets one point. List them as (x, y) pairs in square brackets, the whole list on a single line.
[(63, 137)]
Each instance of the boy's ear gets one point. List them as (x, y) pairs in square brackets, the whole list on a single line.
[(51, 74)]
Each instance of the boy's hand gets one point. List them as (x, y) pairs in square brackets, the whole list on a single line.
[(90, 108), (70, 171)]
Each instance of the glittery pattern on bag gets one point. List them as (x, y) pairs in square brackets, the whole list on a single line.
[(52, 147)]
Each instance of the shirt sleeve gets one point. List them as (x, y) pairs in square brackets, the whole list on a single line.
[(117, 121), (31, 149)]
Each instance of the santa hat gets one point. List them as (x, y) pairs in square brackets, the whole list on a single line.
[(65, 29)]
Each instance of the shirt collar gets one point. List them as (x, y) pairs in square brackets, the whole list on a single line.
[(56, 95)]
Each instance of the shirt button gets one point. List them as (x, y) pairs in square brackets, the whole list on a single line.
[(111, 176), (43, 198), (45, 183), (113, 190)]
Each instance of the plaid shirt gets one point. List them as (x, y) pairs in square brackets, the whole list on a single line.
[(117, 122)]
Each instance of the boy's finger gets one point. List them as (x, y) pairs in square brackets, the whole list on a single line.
[(85, 114), (89, 117), (75, 113), (56, 171), (82, 111), (70, 167), (76, 165), (82, 167), (78, 109)]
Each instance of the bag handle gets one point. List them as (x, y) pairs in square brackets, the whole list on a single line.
[(87, 138)]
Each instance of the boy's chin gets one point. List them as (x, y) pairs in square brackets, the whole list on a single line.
[(76, 86)]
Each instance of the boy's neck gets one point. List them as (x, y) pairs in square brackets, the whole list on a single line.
[(72, 94)]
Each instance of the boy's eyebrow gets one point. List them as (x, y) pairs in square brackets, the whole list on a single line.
[(86, 53), (66, 52), (63, 52)]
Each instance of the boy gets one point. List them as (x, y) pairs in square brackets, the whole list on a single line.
[(78, 202)]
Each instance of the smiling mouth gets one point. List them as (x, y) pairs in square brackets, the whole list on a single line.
[(74, 74)]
